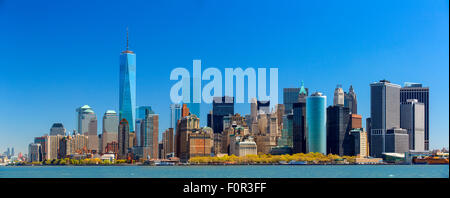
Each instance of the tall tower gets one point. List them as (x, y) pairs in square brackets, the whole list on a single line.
[(384, 114), (350, 101), (422, 94), (316, 122), (127, 88), (338, 96)]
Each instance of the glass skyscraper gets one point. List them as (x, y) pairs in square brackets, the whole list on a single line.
[(175, 115), (127, 92), (317, 122)]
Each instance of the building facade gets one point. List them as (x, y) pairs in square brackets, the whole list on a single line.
[(316, 119), (338, 136), (412, 118), (57, 129), (384, 114), (127, 87), (123, 139), (422, 94)]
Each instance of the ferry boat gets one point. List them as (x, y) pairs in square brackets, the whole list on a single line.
[(297, 162), (430, 160)]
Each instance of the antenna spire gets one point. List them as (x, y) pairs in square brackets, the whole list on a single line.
[(127, 38)]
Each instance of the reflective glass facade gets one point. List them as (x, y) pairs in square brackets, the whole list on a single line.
[(127, 90), (316, 119)]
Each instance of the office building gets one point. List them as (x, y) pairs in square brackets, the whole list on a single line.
[(35, 152), (287, 131), (186, 125), (422, 94), (149, 134), (316, 120), (384, 114), (263, 107), (222, 106), (338, 136), (109, 132), (168, 143), (127, 87), (358, 143), (57, 129), (412, 118), (291, 96), (123, 139), (350, 101), (200, 143), (299, 129), (84, 119), (175, 115), (397, 141), (338, 96), (355, 121)]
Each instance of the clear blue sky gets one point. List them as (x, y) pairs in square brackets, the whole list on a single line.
[(56, 56)]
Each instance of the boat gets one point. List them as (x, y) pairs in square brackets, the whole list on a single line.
[(430, 160), (297, 162)]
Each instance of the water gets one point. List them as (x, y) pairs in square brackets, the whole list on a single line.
[(249, 171)]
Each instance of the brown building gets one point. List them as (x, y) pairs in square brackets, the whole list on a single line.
[(112, 147), (149, 134), (201, 142), (355, 121), (186, 125), (168, 143), (184, 110)]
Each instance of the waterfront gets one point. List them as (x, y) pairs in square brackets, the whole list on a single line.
[(245, 171)]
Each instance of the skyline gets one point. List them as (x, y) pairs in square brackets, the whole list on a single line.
[(89, 55)]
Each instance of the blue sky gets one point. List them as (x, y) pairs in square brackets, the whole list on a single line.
[(57, 56)]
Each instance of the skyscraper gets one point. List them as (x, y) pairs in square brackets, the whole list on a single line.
[(350, 101), (123, 138), (85, 115), (140, 116), (316, 119), (299, 129), (263, 106), (338, 136), (338, 96), (384, 114), (422, 94), (175, 115), (57, 129), (110, 123), (412, 118), (222, 106), (149, 134), (127, 87), (291, 96)]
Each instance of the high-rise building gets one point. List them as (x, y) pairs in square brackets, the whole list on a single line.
[(175, 115), (397, 141), (253, 110), (42, 141), (52, 143), (149, 134), (200, 143), (384, 114), (412, 118), (286, 139), (359, 143), (338, 136), (186, 125), (338, 96), (57, 129), (140, 116), (299, 129), (34, 152), (350, 101), (123, 139), (168, 143), (355, 121), (222, 106), (291, 96), (422, 94), (263, 107), (184, 110), (85, 115), (109, 133), (316, 119), (127, 87)]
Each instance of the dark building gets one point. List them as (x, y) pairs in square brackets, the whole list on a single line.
[(350, 101), (123, 138), (422, 94), (263, 106), (222, 106), (291, 96), (299, 131), (384, 114), (338, 127), (397, 140)]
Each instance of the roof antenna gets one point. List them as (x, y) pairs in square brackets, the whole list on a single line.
[(127, 38)]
